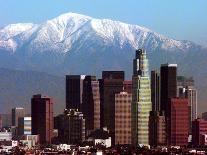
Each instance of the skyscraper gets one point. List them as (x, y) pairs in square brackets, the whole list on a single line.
[(91, 103), (123, 118), (16, 113), (155, 90), (168, 77), (110, 84), (177, 122), (42, 118), (74, 90), (141, 99), (186, 89)]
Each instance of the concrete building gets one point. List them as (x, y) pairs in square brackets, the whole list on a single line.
[(123, 118), (42, 118), (168, 77), (110, 84), (24, 126), (177, 122), (71, 127), (141, 99), (91, 103), (199, 129), (74, 90), (157, 129), (16, 113)]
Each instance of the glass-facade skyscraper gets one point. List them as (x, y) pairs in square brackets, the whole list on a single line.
[(141, 99)]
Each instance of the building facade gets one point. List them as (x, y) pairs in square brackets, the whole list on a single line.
[(71, 127), (110, 84), (123, 118), (155, 90), (42, 118), (199, 128), (177, 122), (168, 77), (25, 126), (186, 89), (141, 99), (91, 103), (157, 129), (74, 90), (16, 113)]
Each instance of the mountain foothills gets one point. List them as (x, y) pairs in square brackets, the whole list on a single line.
[(78, 44)]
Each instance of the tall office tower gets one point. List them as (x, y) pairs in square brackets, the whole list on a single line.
[(16, 113), (42, 118), (155, 90), (186, 89), (177, 122), (123, 118), (141, 99), (91, 103), (74, 90), (110, 84), (157, 129), (199, 128), (24, 126), (168, 77), (71, 127)]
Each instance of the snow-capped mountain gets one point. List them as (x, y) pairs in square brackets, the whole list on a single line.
[(78, 44), (62, 33), (72, 42)]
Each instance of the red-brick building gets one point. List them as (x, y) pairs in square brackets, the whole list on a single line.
[(177, 122)]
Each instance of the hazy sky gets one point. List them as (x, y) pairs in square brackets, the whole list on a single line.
[(179, 19)]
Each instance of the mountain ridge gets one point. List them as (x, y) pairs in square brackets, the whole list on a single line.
[(78, 44)]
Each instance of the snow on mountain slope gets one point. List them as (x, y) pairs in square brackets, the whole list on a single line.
[(61, 33)]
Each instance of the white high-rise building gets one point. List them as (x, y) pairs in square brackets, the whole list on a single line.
[(141, 99)]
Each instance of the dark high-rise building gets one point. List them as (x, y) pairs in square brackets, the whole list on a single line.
[(199, 128), (74, 90), (168, 75), (110, 84), (157, 129), (155, 90), (42, 118), (71, 127), (91, 103), (16, 113), (177, 122)]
